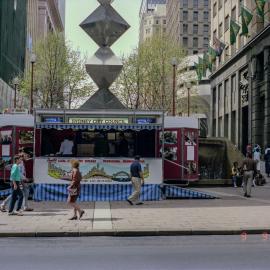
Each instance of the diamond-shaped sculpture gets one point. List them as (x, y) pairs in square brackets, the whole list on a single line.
[(105, 25), (104, 67), (105, 2)]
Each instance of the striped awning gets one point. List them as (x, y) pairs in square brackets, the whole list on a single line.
[(100, 126)]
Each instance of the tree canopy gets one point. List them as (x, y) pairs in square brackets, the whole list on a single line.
[(146, 79), (60, 79)]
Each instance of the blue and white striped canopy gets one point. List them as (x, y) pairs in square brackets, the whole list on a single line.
[(100, 126)]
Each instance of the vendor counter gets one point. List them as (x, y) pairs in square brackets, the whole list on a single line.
[(53, 170)]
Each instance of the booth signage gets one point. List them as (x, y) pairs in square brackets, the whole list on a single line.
[(92, 120), (103, 170), (145, 120), (53, 119)]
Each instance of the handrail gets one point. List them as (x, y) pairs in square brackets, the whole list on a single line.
[(181, 166)]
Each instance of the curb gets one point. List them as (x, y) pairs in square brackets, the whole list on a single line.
[(134, 233)]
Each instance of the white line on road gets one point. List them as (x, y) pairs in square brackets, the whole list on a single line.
[(102, 216)]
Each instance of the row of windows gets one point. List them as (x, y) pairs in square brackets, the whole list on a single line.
[(195, 28), (226, 24), (194, 3), (195, 42), (220, 6), (195, 15), (157, 21)]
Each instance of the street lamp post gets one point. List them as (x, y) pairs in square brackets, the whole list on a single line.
[(32, 60), (188, 98), (174, 64), (188, 93), (16, 83)]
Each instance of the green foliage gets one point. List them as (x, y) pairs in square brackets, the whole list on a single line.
[(146, 79), (60, 79)]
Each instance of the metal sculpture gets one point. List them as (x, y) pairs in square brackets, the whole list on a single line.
[(104, 26)]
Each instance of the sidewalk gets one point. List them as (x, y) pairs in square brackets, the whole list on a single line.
[(232, 214)]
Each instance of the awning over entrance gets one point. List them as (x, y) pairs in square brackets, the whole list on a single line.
[(100, 127)]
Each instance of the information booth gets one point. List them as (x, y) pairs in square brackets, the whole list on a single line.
[(105, 143)]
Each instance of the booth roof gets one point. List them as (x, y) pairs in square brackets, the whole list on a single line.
[(103, 99), (19, 120)]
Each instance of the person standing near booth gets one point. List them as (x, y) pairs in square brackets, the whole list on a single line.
[(66, 148), (137, 180), (74, 190), (17, 193)]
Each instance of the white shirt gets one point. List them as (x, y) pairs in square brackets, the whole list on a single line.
[(66, 147), (257, 156)]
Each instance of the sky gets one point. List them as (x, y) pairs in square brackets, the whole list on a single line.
[(78, 10)]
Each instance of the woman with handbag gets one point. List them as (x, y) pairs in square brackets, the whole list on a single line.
[(74, 190)]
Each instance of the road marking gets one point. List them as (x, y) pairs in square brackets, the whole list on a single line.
[(102, 216)]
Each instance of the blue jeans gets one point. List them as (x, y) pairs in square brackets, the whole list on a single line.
[(17, 194)]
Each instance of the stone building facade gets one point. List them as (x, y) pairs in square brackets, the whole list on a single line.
[(188, 22), (152, 19), (240, 84)]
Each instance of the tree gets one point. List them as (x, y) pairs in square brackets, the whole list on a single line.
[(146, 79), (60, 79)]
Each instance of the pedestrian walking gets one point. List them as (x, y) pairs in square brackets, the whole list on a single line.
[(137, 180), (25, 183), (17, 194), (249, 169), (257, 159), (74, 190), (267, 162), (235, 173), (25, 188)]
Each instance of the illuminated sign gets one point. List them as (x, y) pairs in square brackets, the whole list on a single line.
[(106, 121), (53, 119), (145, 120)]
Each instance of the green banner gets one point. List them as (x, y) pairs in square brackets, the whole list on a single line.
[(246, 17), (207, 62), (212, 54), (234, 30), (202, 67), (198, 71), (260, 7)]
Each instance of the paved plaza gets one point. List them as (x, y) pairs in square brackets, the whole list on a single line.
[(230, 214)]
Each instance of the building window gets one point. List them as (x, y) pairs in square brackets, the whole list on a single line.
[(227, 23), (185, 3), (195, 15), (164, 21), (185, 15), (215, 9), (205, 28), (195, 3), (205, 15), (157, 21), (206, 3), (185, 42), (195, 42), (234, 14), (205, 42), (195, 52), (185, 28), (220, 4), (220, 30), (195, 28)]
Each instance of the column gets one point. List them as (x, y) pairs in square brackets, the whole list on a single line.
[(267, 97)]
